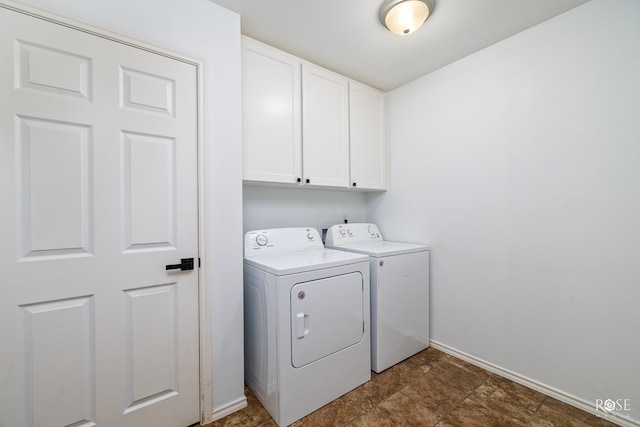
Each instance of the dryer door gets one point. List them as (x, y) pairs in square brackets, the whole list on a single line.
[(326, 317)]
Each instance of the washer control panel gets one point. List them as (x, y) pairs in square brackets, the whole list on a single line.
[(344, 234), (280, 240)]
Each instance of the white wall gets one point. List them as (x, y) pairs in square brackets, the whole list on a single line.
[(209, 33), (266, 207), (520, 166)]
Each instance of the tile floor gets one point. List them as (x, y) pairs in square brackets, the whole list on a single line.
[(431, 389)]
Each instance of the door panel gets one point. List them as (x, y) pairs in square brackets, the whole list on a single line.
[(151, 351), (98, 178), (67, 227), (58, 351), (53, 70), (149, 191), (147, 92), (326, 317)]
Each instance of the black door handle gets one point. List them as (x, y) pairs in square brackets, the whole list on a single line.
[(185, 264)]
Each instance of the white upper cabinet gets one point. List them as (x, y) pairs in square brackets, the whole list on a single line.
[(306, 125), (271, 114), (368, 118), (325, 127)]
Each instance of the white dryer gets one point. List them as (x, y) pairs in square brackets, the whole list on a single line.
[(306, 314), (399, 291)]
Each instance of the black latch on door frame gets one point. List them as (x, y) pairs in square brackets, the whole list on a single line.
[(185, 264)]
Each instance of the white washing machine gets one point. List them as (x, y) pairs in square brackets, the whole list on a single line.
[(307, 320), (399, 291)]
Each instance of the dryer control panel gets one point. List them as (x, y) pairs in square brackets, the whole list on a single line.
[(281, 240), (347, 234)]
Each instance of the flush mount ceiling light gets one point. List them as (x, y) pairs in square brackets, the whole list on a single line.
[(405, 16)]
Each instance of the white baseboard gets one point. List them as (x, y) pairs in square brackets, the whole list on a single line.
[(535, 385), (229, 408)]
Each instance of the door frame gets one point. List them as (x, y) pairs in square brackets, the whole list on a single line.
[(204, 297)]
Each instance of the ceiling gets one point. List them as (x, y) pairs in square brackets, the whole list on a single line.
[(346, 36)]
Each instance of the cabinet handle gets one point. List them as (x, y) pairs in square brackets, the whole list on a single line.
[(354, 184), (307, 180), (299, 180)]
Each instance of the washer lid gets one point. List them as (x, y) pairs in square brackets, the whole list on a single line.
[(384, 248), (299, 262)]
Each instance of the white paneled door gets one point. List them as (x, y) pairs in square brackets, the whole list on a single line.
[(98, 193)]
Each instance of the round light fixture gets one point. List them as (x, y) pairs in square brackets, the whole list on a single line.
[(405, 16)]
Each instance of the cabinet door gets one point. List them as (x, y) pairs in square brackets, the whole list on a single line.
[(271, 112), (367, 111), (325, 127)]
